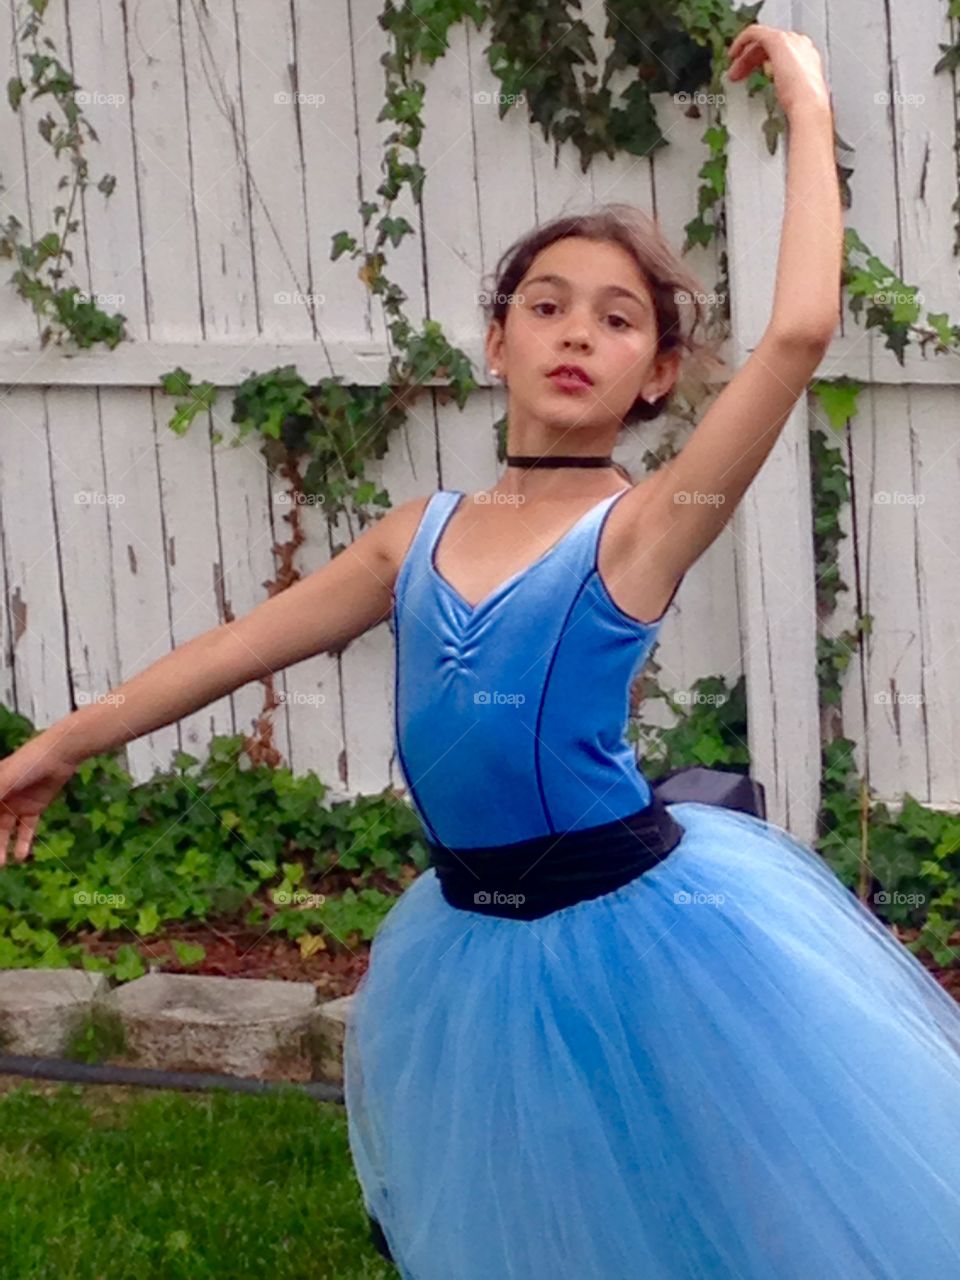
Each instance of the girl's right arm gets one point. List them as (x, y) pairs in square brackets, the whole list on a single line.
[(321, 614)]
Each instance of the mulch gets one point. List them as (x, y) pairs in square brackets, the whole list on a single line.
[(237, 951)]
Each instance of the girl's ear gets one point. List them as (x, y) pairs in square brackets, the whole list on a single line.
[(493, 347), (666, 373)]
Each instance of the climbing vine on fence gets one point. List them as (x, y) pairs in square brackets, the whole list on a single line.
[(42, 262)]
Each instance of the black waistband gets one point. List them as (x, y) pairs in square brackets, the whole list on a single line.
[(530, 878)]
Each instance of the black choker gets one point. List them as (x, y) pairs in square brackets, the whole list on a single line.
[(557, 460)]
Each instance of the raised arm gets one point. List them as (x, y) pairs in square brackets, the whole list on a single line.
[(696, 493)]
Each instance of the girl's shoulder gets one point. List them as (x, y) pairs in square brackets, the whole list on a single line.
[(398, 527)]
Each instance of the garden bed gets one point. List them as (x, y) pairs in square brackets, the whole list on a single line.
[(235, 950)]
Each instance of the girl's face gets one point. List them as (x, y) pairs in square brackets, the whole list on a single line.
[(582, 302)]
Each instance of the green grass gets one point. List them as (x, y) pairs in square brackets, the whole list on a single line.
[(130, 1185)]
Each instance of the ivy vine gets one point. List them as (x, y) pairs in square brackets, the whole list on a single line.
[(41, 263)]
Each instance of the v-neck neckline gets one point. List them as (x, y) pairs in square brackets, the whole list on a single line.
[(507, 583)]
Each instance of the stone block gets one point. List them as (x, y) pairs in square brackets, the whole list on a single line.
[(41, 1009), (235, 1026)]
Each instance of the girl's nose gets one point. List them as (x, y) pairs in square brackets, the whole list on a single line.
[(577, 336)]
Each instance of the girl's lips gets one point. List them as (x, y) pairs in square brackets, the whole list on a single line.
[(569, 382)]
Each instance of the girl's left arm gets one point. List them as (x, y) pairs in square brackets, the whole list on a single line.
[(696, 492)]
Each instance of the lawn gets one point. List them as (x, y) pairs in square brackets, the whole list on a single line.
[(105, 1183)]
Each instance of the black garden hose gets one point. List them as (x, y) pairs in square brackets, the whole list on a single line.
[(151, 1078)]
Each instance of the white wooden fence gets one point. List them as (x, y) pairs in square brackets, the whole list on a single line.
[(216, 246)]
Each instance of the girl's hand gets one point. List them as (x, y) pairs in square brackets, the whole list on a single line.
[(29, 780), (789, 57)]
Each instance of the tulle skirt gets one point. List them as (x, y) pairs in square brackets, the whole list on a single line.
[(727, 1068)]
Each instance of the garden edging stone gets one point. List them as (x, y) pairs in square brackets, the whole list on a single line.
[(41, 1009), (257, 1028)]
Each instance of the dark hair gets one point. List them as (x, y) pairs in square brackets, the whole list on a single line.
[(677, 292)]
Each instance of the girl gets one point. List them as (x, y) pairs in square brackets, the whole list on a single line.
[(601, 1037)]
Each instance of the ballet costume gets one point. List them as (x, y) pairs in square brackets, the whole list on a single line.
[(607, 1037)]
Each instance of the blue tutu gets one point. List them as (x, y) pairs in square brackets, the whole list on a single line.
[(725, 1068)]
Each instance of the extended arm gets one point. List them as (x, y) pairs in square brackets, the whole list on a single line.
[(320, 614)]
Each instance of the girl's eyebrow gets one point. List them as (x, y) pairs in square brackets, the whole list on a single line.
[(617, 289)]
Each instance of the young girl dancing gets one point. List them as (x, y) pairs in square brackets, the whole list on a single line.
[(602, 1037)]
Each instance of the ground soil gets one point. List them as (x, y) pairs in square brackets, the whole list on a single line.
[(238, 951)]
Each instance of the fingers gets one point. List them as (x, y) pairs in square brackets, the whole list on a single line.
[(8, 822), (25, 833), (23, 829)]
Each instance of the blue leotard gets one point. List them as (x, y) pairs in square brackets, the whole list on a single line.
[(511, 715)]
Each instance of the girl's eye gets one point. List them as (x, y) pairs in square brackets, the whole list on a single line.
[(624, 322)]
